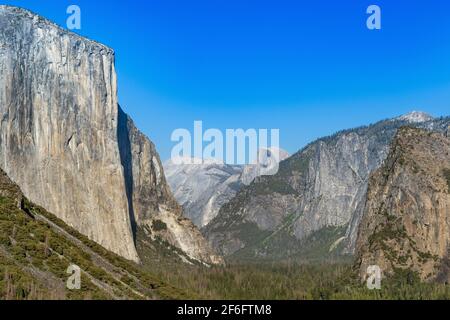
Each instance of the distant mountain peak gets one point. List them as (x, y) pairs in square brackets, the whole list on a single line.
[(203, 186), (415, 117), (267, 158), (187, 161)]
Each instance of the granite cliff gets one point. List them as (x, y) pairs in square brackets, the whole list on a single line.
[(65, 141), (312, 207), (202, 189), (406, 221)]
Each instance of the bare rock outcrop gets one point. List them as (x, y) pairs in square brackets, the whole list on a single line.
[(406, 221), (65, 141), (151, 202)]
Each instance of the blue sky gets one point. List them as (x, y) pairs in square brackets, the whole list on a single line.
[(309, 68)]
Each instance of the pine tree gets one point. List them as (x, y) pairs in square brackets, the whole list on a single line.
[(10, 290)]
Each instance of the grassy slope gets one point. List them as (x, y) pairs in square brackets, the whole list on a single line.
[(36, 249)]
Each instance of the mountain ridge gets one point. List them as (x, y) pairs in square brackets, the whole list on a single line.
[(328, 175), (203, 188)]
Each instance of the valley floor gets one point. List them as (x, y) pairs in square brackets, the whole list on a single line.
[(293, 281), (36, 247)]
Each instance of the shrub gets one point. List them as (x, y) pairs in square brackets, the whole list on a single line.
[(158, 225)]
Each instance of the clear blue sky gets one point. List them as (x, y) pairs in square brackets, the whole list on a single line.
[(309, 68)]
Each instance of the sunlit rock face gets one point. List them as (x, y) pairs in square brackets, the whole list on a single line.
[(202, 189), (65, 141), (151, 200), (322, 186), (405, 222), (58, 134)]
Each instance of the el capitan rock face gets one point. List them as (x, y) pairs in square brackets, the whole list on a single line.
[(58, 133), (67, 144), (407, 213)]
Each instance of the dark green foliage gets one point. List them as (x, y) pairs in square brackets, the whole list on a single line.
[(280, 280), (267, 186), (35, 255), (27, 246), (30, 244), (393, 229), (292, 281), (388, 232), (158, 225), (281, 244)]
